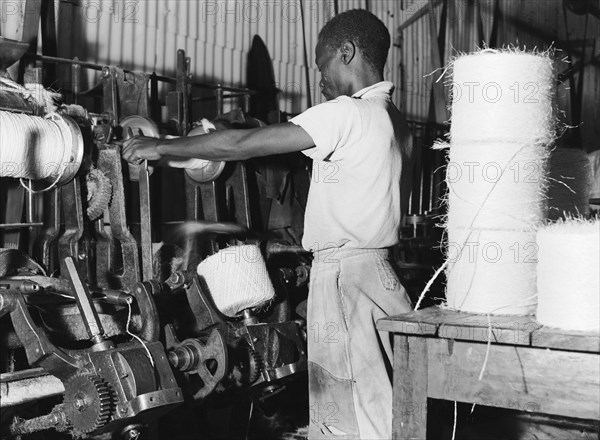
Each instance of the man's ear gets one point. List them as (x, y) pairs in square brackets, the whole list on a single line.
[(348, 51)]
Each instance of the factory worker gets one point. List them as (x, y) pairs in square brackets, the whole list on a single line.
[(361, 147)]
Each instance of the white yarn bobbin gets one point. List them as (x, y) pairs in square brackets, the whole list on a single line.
[(36, 148), (237, 279), (568, 275), (491, 272), (200, 170), (503, 96), (570, 183), (496, 185)]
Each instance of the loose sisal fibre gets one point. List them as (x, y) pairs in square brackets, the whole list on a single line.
[(491, 272), (496, 185), (503, 96), (569, 184), (568, 275), (32, 147), (237, 279)]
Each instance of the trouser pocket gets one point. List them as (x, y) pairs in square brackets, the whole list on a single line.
[(387, 275), (332, 413)]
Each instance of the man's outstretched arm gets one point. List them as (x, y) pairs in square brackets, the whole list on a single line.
[(222, 145)]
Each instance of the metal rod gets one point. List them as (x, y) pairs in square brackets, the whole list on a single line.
[(146, 222), (75, 81), (230, 95), (84, 304), (50, 59), (168, 79), (21, 390), (219, 98), (20, 225)]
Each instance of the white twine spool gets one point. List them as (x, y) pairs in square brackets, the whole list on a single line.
[(502, 124), (491, 272), (503, 96), (237, 278), (568, 278), (32, 147), (570, 184), (496, 185), (200, 170)]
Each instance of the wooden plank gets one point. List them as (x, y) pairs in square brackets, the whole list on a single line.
[(452, 324), (506, 329), (515, 330), (410, 388), (420, 322), (566, 340), (523, 378)]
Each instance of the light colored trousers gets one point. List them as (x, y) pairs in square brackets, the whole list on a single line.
[(349, 361)]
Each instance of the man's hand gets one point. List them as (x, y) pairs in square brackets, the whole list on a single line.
[(140, 148)]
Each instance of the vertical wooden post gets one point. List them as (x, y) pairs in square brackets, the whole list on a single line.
[(410, 388)]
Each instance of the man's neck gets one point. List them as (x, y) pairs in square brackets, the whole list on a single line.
[(364, 80)]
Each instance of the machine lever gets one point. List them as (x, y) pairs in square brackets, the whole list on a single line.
[(86, 308)]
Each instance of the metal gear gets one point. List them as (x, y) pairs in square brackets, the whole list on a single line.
[(99, 191), (251, 366), (256, 366), (88, 403)]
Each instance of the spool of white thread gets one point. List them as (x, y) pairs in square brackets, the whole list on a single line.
[(199, 170), (36, 148), (569, 185), (496, 185), (491, 272), (568, 278), (503, 96), (237, 279)]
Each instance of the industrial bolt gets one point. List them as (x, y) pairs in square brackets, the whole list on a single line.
[(176, 278), (132, 434), (79, 404), (105, 72)]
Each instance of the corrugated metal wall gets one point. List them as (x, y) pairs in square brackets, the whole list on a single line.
[(216, 35)]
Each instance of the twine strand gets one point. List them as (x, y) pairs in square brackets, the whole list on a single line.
[(136, 336)]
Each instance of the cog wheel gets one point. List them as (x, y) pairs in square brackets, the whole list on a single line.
[(256, 366), (251, 365), (88, 403), (99, 191)]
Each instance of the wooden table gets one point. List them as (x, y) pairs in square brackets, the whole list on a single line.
[(440, 354)]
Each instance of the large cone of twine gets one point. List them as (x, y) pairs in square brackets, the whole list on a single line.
[(237, 279), (568, 275), (502, 126)]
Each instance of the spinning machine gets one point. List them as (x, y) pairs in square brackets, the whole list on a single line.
[(91, 309)]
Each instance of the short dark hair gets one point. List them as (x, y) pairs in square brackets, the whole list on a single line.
[(364, 29)]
